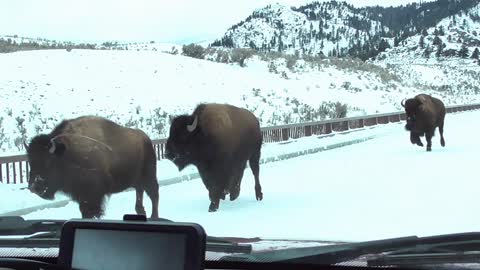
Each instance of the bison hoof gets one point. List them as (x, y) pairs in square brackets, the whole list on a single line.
[(429, 149), (233, 197), (235, 193), (213, 207), (442, 143), (140, 211), (258, 193)]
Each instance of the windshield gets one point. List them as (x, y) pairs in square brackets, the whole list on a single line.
[(329, 121)]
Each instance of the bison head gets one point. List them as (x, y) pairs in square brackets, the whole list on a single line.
[(411, 109), (180, 141), (42, 152)]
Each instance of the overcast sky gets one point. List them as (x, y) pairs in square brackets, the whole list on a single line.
[(173, 21)]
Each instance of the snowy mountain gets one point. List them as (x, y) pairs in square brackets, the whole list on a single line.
[(444, 57), (338, 29)]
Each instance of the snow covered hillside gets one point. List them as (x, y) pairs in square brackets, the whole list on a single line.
[(144, 89), (313, 29), (444, 58), (337, 28)]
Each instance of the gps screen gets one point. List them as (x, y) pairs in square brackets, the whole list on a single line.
[(115, 249)]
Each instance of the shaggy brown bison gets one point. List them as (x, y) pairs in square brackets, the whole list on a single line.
[(424, 114), (218, 139), (90, 157)]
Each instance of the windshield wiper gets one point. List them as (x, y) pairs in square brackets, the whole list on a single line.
[(16, 232), (468, 243), (329, 254), (454, 248)]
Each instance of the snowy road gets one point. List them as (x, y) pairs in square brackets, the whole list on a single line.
[(384, 187)]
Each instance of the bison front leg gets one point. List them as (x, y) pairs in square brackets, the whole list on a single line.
[(92, 208), (215, 195), (428, 136), (415, 139)]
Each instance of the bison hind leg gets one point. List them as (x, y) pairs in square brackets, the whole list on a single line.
[(254, 163), (152, 192), (236, 182), (440, 130), (235, 192), (139, 202)]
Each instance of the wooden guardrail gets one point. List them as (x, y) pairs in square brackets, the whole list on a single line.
[(15, 169)]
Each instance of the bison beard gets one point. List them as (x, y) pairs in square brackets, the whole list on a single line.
[(89, 158), (219, 140), (424, 114)]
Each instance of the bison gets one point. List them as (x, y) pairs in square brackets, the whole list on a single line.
[(218, 139), (89, 158), (424, 114)]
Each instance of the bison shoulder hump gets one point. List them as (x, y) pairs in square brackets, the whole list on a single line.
[(215, 118)]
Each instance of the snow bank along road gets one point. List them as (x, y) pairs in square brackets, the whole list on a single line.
[(383, 187)]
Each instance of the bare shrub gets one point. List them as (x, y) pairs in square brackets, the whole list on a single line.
[(239, 55), (194, 50)]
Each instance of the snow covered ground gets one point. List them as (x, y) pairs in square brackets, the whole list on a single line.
[(384, 187)]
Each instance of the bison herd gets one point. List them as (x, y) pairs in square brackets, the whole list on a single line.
[(89, 157)]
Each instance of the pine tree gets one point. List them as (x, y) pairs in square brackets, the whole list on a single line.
[(421, 43), (463, 51), (280, 43), (427, 52), (424, 33), (437, 41), (441, 31), (439, 50), (396, 41), (383, 45), (475, 54)]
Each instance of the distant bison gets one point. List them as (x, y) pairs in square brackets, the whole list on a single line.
[(424, 114), (218, 139), (90, 157)]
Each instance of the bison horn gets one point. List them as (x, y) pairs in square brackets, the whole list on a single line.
[(192, 127), (403, 103), (52, 147)]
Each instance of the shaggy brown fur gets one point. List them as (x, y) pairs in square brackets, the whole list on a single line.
[(424, 114), (218, 139), (90, 157)]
